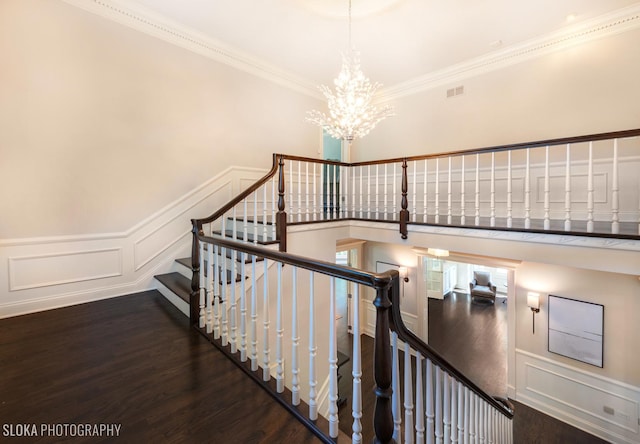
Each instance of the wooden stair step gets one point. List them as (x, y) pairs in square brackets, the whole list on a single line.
[(251, 219), (177, 283), (261, 239), (186, 261)]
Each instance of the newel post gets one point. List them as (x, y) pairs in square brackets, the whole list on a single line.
[(281, 215), (194, 299), (383, 416), (404, 212)]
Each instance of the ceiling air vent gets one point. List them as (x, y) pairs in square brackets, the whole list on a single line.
[(452, 92)]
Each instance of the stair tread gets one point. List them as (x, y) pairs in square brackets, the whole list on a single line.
[(262, 240), (186, 261), (177, 283), (250, 220)]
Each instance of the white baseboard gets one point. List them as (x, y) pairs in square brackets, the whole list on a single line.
[(598, 405)]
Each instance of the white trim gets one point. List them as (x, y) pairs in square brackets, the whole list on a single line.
[(146, 21), (622, 20)]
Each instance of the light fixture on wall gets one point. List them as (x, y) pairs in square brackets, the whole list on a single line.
[(437, 252), (404, 273), (351, 113), (533, 302)]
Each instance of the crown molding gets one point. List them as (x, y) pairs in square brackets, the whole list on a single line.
[(148, 22), (616, 22)]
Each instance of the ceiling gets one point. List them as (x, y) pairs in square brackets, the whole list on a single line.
[(399, 40)]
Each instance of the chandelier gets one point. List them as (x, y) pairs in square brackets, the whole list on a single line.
[(351, 113)]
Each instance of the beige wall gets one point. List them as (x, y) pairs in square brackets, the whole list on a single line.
[(101, 125), (619, 293), (585, 89)]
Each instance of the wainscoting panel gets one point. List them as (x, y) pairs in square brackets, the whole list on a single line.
[(601, 406), (45, 270), (44, 273)]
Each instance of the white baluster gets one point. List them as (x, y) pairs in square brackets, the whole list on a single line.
[(547, 222), (462, 201), (243, 309), (356, 404), (264, 213), (408, 396), (461, 413), (467, 415), (255, 212), (615, 199), (527, 193), (477, 218), (353, 190), (567, 190), (292, 210), (209, 290), (315, 195), (384, 192), (454, 409), (295, 340), (279, 335), (509, 192), (449, 194), (299, 192), (395, 191), (266, 362), (360, 191), (273, 208), (323, 194), (201, 288), (344, 193), (472, 418), (483, 421), (493, 190), (369, 192), (415, 196), (245, 220), (225, 296), (217, 286), (333, 362), (307, 201), (313, 349), (590, 190), (336, 204), (430, 395), (446, 406), (254, 316), (438, 400), (437, 190), (233, 307), (424, 199), (395, 385), (419, 400)]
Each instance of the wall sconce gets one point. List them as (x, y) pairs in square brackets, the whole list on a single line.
[(533, 302), (404, 273)]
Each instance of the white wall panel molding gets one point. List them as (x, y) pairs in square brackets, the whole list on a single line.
[(44, 273), (601, 406), (43, 270), (156, 25), (623, 20)]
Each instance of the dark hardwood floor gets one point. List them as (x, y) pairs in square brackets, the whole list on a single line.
[(132, 361)]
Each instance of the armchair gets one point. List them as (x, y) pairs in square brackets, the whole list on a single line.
[(481, 286)]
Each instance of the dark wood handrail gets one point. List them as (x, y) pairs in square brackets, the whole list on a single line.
[(381, 282), (236, 200), (406, 335)]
